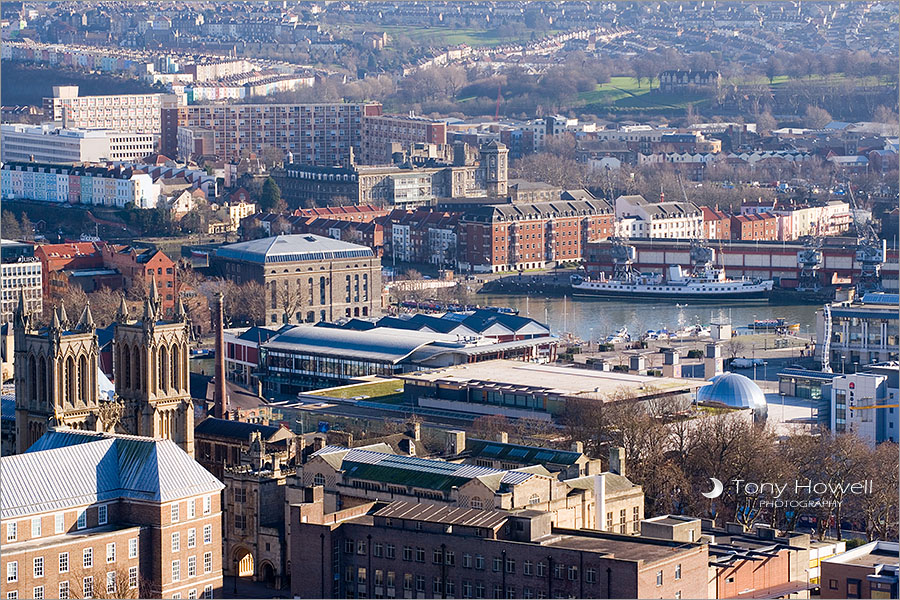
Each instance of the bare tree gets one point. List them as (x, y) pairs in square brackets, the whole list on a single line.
[(735, 346)]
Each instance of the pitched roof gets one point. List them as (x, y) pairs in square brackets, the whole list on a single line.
[(292, 248), (87, 467), (522, 454), (239, 430)]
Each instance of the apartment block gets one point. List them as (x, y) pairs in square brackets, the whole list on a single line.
[(51, 144), (122, 112), (638, 217), (21, 272), (112, 525), (380, 131)]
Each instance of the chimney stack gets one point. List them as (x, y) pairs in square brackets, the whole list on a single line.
[(221, 400)]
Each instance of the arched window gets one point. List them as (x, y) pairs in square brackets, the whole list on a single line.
[(163, 370), (534, 499), (42, 380), (153, 380), (69, 376), (126, 367), (83, 379), (136, 367), (176, 375), (32, 378)]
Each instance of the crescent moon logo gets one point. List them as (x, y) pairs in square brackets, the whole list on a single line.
[(717, 489)]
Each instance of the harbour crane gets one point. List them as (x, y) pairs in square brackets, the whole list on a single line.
[(870, 251)]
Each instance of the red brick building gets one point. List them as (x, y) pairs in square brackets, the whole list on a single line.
[(367, 233), (755, 227), (868, 571), (716, 224), (68, 256), (107, 522), (495, 238), (142, 266), (361, 213)]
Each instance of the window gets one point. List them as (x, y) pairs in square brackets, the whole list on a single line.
[(132, 577), (636, 519), (420, 555), (38, 593), (63, 590), (559, 570), (391, 576), (573, 573), (534, 499), (479, 561), (389, 551), (12, 571), (35, 527), (87, 558), (87, 587), (207, 562), (38, 566), (437, 556), (379, 577), (348, 546), (497, 564), (191, 538), (678, 595), (467, 561), (64, 562), (110, 582), (102, 515), (832, 584), (192, 566), (678, 571), (240, 495), (13, 595), (192, 593), (659, 578), (207, 504), (377, 550), (132, 548), (510, 565), (436, 585), (176, 570), (590, 575), (176, 542), (498, 591), (407, 581), (450, 557), (192, 509), (175, 513), (59, 523), (111, 552), (407, 553), (476, 503), (11, 532), (361, 547), (420, 583), (207, 534), (207, 592)]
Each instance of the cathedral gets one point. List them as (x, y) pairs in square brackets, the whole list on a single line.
[(57, 369)]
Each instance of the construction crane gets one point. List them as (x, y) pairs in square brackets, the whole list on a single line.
[(497, 112), (870, 251)]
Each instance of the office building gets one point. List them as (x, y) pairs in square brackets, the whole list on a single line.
[(411, 549), (308, 278), (20, 272), (111, 521), (52, 144), (867, 571)]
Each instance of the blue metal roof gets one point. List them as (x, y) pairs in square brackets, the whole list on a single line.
[(808, 374), (881, 298)]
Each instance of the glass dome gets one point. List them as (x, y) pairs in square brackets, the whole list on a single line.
[(733, 389)]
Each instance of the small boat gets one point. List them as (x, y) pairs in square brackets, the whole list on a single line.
[(767, 324), (619, 337)]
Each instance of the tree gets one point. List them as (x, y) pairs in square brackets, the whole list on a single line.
[(270, 198), (10, 226), (735, 346), (27, 228), (765, 123), (884, 114), (252, 296), (815, 117), (104, 305)]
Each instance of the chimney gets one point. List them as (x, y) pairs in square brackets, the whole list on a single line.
[(734, 528), (600, 502), (578, 447), (220, 397), (503, 437), (617, 460), (456, 442), (318, 443)]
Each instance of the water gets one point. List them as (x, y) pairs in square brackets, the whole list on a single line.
[(597, 318)]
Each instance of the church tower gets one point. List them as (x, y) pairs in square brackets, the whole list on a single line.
[(56, 376), (150, 358)]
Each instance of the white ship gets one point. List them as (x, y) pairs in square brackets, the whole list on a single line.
[(703, 283)]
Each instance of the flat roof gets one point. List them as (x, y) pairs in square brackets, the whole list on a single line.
[(435, 513), (870, 555), (623, 548), (566, 381)]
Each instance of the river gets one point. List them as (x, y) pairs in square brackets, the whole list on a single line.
[(596, 318)]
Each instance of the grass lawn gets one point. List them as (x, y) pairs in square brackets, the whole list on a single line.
[(383, 390), (624, 93)]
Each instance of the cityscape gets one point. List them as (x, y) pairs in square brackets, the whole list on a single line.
[(449, 299)]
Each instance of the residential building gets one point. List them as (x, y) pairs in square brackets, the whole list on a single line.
[(20, 272), (415, 549), (60, 183), (678, 220), (316, 134), (679, 81), (861, 332), (49, 143), (370, 234), (380, 131), (755, 227), (123, 112), (145, 267), (308, 278), (867, 571), (511, 237), (112, 524), (516, 389), (423, 236), (310, 357), (57, 377), (716, 224)]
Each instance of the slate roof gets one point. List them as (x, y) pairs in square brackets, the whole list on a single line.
[(68, 468), (292, 248), (417, 472), (521, 454), (238, 430), (257, 334)]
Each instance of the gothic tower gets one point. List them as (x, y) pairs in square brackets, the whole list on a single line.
[(150, 358), (56, 375), (494, 161)]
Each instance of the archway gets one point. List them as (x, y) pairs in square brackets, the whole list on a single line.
[(244, 561), (267, 574)]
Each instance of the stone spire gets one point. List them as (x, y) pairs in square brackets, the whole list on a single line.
[(149, 313), (86, 322), (155, 298), (180, 313), (122, 312), (54, 322), (63, 317), (21, 313)]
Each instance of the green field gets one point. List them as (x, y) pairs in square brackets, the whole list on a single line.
[(624, 93), (378, 391)]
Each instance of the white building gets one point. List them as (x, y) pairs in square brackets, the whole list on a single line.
[(853, 398), (19, 270), (862, 333), (124, 112), (49, 143), (641, 218)]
